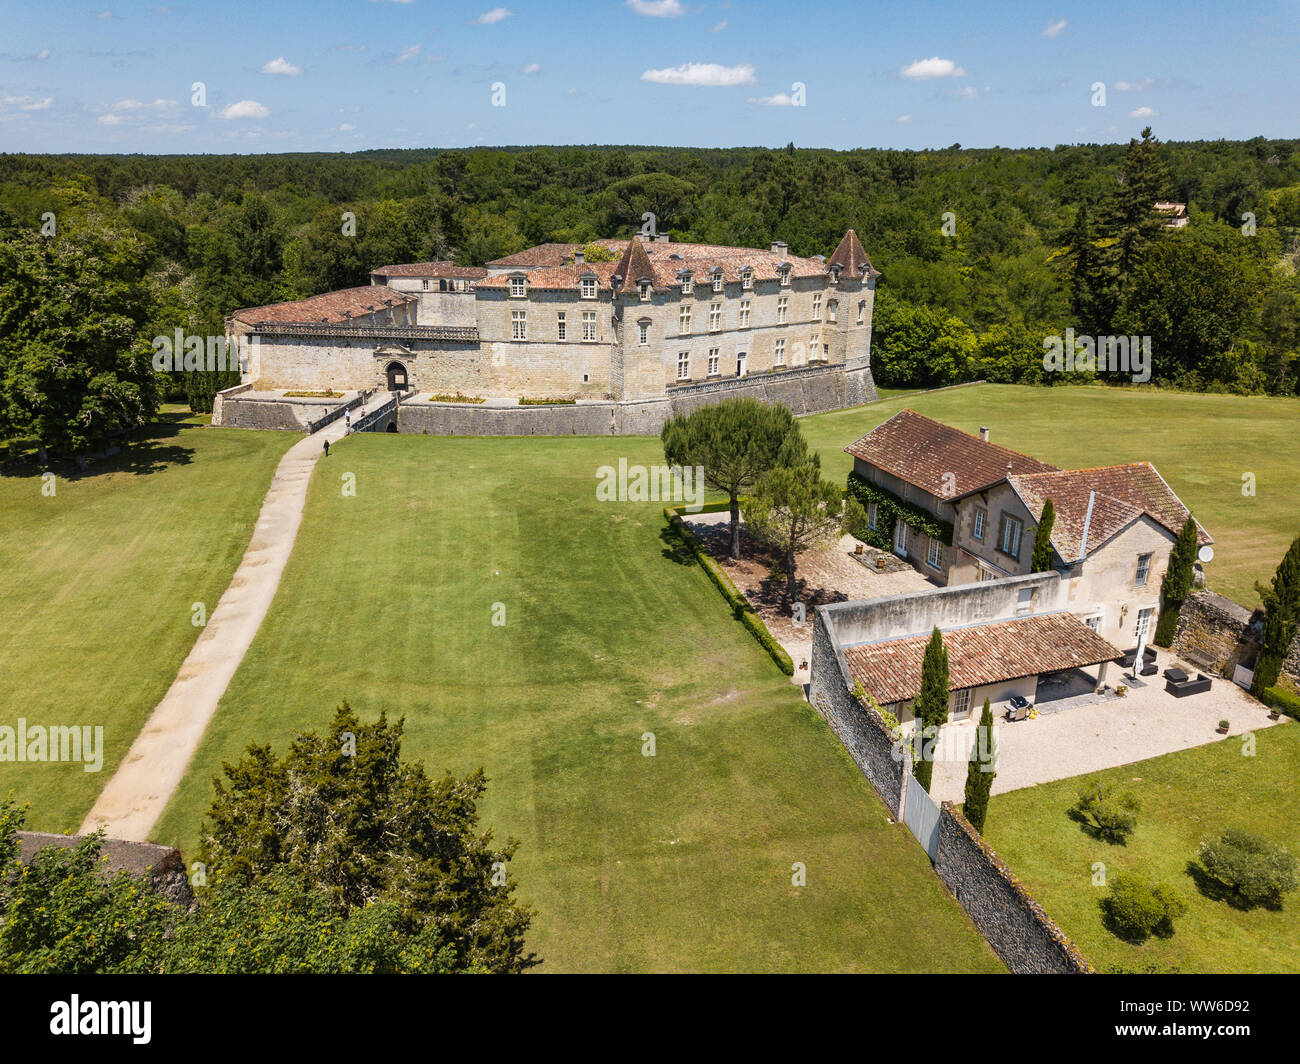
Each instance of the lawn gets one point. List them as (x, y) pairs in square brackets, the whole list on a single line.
[(680, 861), (1202, 445), (1185, 797), (99, 583)]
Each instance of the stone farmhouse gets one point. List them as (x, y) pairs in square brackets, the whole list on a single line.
[(963, 509), (662, 328)]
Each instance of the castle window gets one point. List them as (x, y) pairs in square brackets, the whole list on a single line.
[(713, 361), (426, 284), (684, 321), (561, 326), (747, 279), (785, 276), (518, 325), (588, 325), (717, 280), (684, 365), (687, 286), (643, 333), (862, 312), (782, 305), (744, 313), (644, 289), (832, 311), (715, 317), (817, 305), (518, 286), (589, 288), (778, 359)]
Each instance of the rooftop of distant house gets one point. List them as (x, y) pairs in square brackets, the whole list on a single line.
[(443, 268), (329, 308)]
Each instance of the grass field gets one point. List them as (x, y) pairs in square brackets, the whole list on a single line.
[(680, 861), (1185, 797), (1202, 445), (99, 582)]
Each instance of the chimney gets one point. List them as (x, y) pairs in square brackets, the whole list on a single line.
[(779, 247), (984, 433), (579, 257)]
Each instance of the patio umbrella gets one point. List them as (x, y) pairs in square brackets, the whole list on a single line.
[(1140, 659)]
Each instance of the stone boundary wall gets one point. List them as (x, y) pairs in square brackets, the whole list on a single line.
[(1017, 927), (1217, 635), (292, 415), (161, 865)]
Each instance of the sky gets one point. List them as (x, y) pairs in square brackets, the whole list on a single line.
[(349, 75)]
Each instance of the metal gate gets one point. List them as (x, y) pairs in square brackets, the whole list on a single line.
[(921, 815)]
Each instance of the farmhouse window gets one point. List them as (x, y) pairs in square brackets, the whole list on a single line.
[(561, 326), (1009, 534), (1143, 569)]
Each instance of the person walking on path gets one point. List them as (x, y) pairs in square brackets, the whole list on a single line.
[(327, 448), (347, 419)]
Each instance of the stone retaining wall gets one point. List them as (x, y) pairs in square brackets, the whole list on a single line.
[(1215, 634), (161, 865), (1016, 926)]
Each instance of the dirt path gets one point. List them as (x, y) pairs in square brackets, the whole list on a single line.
[(131, 803)]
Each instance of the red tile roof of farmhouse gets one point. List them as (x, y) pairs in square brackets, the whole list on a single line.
[(442, 268), (331, 307), (981, 654), (1119, 495), (927, 453)]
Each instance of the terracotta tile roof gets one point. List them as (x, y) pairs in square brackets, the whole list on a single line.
[(1119, 495), (924, 452), (634, 266), (981, 654), (554, 254), (554, 277), (331, 307), (851, 257), (442, 268)]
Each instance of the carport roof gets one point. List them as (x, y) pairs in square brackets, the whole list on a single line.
[(890, 671)]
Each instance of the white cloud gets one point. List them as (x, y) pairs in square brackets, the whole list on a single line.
[(1134, 86), (781, 99), (532, 68), (719, 27), (346, 127), (407, 53), (657, 8), (1144, 112), (934, 67), (110, 120), (105, 16), (245, 109), (969, 92), (26, 103), (903, 118), (1055, 29), (711, 74), (280, 65), (493, 16)]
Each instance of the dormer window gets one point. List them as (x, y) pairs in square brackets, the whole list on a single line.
[(688, 284), (835, 275), (589, 288), (784, 274), (644, 289), (747, 279), (717, 280), (518, 287)]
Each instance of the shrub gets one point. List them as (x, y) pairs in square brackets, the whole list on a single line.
[(1112, 816), (1280, 698), (455, 398), (1254, 869), (1135, 909), (546, 402)]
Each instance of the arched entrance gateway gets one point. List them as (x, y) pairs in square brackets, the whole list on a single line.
[(397, 379)]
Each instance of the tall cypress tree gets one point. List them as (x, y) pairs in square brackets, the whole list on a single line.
[(1042, 559), (1177, 582), (1281, 616), (979, 772), (931, 706)]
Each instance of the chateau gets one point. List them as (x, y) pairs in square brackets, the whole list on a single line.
[(616, 346)]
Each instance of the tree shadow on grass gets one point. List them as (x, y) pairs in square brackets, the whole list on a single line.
[(150, 450), (675, 548), (1089, 828), (1216, 890), (1133, 937)]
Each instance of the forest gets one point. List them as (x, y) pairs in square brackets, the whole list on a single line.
[(983, 252)]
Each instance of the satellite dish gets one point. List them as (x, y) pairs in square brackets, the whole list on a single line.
[(1205, 554)]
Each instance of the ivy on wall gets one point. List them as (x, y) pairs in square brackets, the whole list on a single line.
[(890, 509)]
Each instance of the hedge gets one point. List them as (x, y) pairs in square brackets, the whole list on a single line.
[(1280, 698), (889, 508), (740, 607)]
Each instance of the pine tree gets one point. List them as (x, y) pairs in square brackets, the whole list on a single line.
[(1091, 287), (1042, 559), (1177, 582), (931, 707), (979, 772), (1282, 613), (1134, 222)]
